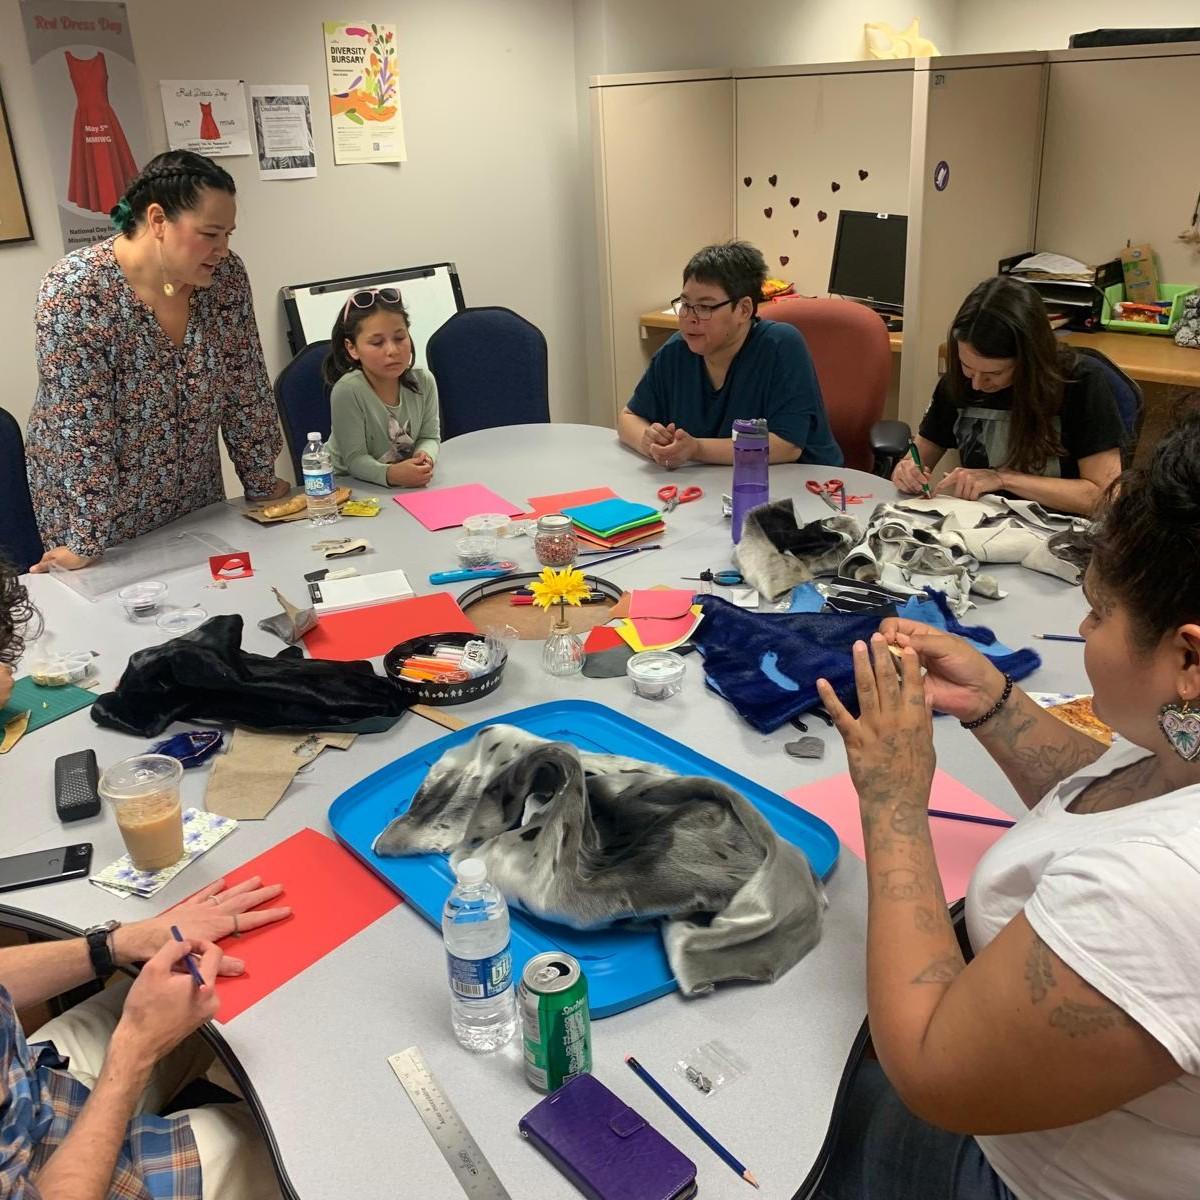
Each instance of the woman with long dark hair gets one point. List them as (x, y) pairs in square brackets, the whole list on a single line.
[(1026, 413)]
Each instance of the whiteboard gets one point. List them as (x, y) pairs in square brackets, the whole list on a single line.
[(431, 294)]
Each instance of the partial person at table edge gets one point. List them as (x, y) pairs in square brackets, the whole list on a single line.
[(1029, 415), (146, 345), (726, 363), (1063, 1059)]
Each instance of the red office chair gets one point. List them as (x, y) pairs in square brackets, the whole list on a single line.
[(853, 357)]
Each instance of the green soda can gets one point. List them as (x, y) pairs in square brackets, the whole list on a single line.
[(557, 1027)]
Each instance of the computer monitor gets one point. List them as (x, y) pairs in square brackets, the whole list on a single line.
[(868, 259)]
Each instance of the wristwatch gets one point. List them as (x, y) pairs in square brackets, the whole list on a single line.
[(100, 948)]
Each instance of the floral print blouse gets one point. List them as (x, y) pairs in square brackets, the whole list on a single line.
[(123, 433)]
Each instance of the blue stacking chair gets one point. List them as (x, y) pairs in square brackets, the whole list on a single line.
[(302, 397), (20, 542), (491, 369)]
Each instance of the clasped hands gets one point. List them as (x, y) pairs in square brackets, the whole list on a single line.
[(668, 445)]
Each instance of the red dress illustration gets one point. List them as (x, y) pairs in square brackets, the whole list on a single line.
[(101, 162), (208, 127)]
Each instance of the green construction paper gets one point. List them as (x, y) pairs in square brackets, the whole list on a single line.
[(45, 705)]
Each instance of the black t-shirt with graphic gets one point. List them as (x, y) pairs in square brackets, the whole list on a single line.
[(1088, 423)]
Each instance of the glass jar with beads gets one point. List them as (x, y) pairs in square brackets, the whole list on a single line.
[(554, 542)]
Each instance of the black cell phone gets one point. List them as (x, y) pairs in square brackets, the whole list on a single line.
[(45, 866)]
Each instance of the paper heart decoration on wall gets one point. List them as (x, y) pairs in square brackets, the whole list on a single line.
[(747, 180), (784, 260), (795, 233), (772, 179), (793, 200), (821, 214), (767, 212), (862, 174), (835, 186)]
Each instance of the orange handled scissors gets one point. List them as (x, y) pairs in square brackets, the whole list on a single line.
[(672, 496)]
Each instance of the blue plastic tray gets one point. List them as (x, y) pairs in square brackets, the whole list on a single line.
[(624, 967)]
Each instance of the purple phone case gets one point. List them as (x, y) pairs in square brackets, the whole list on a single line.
[(604, 1148)]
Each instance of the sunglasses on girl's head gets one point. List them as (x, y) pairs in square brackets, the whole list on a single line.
[(366, 298)]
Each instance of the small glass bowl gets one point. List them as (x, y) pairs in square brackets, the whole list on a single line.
[(476, 550), (181, 620), (142, 600), (656, 674)]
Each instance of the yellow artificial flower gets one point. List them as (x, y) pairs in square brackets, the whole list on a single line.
[(567, 586)]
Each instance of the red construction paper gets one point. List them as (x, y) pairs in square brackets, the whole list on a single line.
[(602, 637), (332, 897), (443, 508), (369, 632), (661, 603), (231, 566), (958, 845), (540, 505)]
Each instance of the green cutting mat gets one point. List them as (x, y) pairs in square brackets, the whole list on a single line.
[(45, 705)]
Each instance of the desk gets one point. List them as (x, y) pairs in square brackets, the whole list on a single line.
[(315, 1048), (668, 320), (1146, 357)]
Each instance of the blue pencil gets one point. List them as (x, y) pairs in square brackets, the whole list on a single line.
[(1060, 637), (187, 958), (687, 1118), (946, 814)]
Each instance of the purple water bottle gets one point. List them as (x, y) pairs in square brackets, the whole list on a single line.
[(750, 457)]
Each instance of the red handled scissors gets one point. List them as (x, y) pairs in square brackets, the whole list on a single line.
[(833, 492), (672, 496)]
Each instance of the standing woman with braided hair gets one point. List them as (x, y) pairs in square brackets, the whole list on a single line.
[(146, 345)]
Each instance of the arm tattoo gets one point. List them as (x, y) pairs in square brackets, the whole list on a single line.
[(1080, 1020), (902, 883), (1039, 970), (906, 819), (927, 920), (943, 970)]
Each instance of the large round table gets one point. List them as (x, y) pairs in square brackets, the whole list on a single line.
[(314, 1051)]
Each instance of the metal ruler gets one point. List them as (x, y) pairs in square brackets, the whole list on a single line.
[(458, 1147)]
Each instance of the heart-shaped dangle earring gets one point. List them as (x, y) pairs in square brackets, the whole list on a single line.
[(1181, 727), (167, 286)]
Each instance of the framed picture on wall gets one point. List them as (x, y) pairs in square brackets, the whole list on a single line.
[(14, 212)]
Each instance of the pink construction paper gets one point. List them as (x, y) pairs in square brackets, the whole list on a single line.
[(443, 508), (958, 845), (660, 602)]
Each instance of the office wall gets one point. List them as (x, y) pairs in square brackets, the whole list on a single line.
[(987, 27), (487, 92), (1110, 176), (812, 133), (985, 122)]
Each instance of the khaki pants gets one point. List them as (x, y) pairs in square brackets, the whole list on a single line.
[(233, 1156)]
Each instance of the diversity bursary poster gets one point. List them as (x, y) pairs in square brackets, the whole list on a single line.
[(90, 99), (364, 92), (207, 116)]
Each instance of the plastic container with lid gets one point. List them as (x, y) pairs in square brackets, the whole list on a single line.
[(476, 550), (555, 542), (495, 524), (181, 620), (51, 669), (142, 600), (656, 674)]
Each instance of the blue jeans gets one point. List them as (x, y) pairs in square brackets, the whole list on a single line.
[(883, 1152)]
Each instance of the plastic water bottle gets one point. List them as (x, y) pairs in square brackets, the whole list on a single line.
[(751, 454), (318, 482), (475, 929)]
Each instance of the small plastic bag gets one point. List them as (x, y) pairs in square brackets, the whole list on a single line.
[(710, 1067)]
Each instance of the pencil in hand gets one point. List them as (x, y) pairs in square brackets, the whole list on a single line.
[(188, 959)]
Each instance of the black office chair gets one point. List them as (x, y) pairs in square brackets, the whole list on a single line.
[(889, 439), (20, 542), (302, 398), (491, 369), (861, 1049)]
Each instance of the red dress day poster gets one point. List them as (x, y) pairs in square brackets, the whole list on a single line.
[(90, 99)]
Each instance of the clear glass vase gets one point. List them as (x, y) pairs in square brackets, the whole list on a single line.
[(562, 652)]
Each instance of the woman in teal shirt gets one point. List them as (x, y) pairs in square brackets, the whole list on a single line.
[(386, 424)]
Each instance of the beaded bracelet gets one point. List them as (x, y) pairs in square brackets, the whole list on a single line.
[(991, 712)]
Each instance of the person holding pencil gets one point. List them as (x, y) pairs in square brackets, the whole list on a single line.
[(1062, 1060), (78, 1118), (1028, 415)]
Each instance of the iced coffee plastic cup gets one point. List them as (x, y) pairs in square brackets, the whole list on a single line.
[(144, 794)]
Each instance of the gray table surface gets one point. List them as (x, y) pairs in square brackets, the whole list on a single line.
[(316, 1047)]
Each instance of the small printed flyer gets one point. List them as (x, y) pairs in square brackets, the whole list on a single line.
[(207, 116), (283, 130), (364, 92)]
